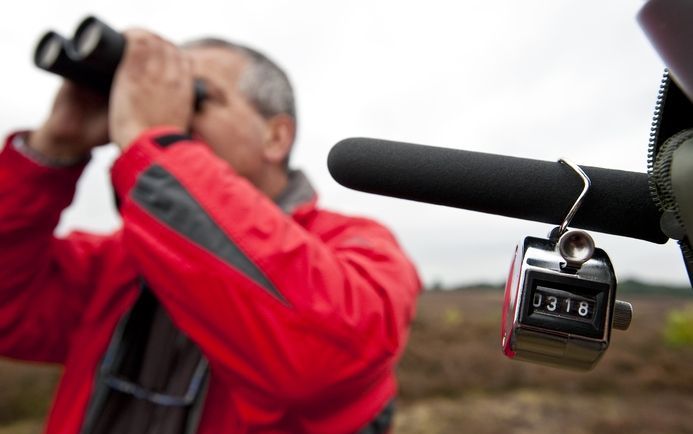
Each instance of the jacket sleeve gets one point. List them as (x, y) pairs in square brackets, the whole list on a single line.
[(268, 302), (44, 280)]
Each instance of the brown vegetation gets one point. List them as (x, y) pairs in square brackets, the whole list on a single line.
[(455, 380)]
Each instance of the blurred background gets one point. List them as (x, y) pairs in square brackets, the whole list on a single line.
[(537, 79)]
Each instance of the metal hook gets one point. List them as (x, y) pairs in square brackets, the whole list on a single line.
[(587, 184)]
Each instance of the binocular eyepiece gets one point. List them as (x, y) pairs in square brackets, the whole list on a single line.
[(90, 58)]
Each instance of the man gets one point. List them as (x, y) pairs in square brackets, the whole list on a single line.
[(229, 302)]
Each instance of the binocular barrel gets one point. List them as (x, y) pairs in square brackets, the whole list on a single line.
[(91, 57), (55, 54)]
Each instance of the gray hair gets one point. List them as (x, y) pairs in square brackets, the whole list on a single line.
[(263, 82)]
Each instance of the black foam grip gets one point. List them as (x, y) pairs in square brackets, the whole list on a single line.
[(617, 203)]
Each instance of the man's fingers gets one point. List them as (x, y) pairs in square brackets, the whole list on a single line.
[(142, 53), (153, 86), (171, 63)]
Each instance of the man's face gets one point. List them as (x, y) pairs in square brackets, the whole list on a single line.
[(234, 130)]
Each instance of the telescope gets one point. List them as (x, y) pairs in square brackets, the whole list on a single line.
[(91, 57)]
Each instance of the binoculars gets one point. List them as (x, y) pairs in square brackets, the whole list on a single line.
[(90, 58)]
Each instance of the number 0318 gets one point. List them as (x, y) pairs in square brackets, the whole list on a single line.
[(562, 305)]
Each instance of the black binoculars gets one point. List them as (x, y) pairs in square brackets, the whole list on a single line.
[(91, 57)]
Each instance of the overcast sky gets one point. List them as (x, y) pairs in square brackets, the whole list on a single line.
[(537, 79)]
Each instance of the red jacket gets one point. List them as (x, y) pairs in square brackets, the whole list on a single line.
[(302, 323)]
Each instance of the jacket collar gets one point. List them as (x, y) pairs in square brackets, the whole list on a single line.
[(298, 191)]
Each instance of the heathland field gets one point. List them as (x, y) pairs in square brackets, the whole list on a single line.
[(454, 378)]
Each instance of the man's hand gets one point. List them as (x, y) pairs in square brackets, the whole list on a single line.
[(153, 87), (77, 123)]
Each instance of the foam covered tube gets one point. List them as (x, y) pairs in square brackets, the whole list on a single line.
[(618, 202)]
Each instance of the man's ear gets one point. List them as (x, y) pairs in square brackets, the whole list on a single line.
[(281, 131)]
